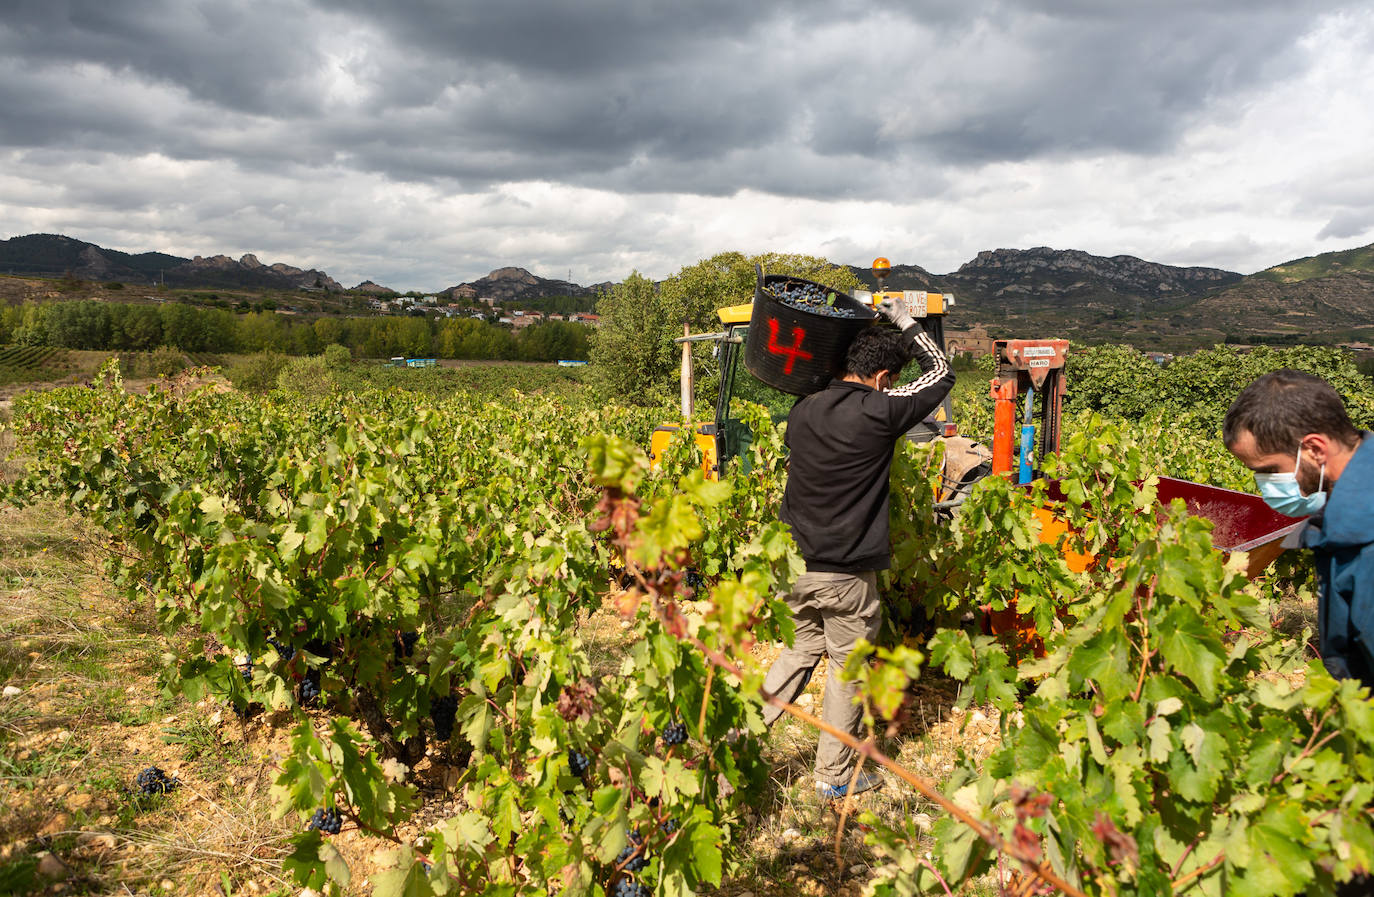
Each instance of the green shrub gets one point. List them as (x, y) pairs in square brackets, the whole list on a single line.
[(257, 373), (337, 358), (1116, 380), (113, 285), (1119, 381), (309, 376), (164, 361)]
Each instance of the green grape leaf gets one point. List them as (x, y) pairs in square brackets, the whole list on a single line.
[(706, 853), (1192, 649), (952, 650)]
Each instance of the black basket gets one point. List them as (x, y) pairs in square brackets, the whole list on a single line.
[(796, 351)]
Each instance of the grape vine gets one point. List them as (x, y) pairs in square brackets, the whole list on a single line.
[(407, 576)]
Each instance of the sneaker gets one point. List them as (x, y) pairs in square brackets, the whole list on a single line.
[(866, 781)]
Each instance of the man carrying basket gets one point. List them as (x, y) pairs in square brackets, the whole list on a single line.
[(836, 501)]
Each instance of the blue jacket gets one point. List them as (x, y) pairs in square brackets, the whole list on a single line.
[(1342, 541)]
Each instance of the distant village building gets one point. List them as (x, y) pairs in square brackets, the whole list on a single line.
[(974, 342), (585, 318)]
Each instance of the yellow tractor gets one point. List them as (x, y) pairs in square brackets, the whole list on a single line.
[(726, 436)]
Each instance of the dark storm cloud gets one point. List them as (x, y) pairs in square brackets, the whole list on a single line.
[(592, 38), (245, 55), (977, 82), (800, 98)]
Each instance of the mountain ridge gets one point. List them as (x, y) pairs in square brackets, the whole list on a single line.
[(59, 255), (512, 284), (1039, 291)]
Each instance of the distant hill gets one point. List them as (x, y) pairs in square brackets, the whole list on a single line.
[(1347, 261), (1316, 305), (1322, 298), (373, 289), (54, 255), (516, 284), (223, 271), (1002, 277)]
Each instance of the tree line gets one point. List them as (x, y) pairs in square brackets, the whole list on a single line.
[(119, 326)]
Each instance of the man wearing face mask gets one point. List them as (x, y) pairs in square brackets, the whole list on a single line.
[(1292, 430), (841, 441)]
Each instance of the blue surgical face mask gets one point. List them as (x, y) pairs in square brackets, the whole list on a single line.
[(1281, 491)]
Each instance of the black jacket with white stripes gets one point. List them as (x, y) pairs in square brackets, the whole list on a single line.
[(841, 442)]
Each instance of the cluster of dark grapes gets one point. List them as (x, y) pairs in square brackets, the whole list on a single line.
[(284, 651), (328, 821), (404, 645), (154, 781), (578, 763), (809, 297), (633, 849), (442, 711), (310, 688), (628, 887), (248, 671), (668, 826), (674, 733)]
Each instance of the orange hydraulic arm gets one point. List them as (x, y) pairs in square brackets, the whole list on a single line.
[(1025, 368), (1003, 421)]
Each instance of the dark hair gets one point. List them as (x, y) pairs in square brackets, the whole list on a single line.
[(1281, 407), (877, 349)]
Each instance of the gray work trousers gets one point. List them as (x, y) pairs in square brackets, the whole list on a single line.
[(832, 611)]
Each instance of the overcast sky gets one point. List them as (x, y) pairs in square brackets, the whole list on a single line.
[(422, 143)]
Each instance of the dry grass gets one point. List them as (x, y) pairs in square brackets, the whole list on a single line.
[(88, 716)]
